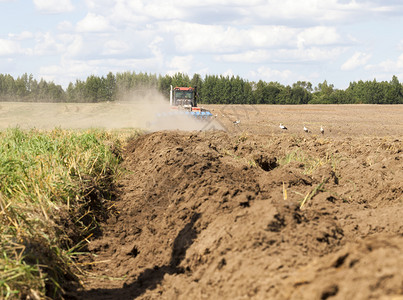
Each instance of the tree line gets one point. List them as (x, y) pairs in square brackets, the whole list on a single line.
[(212, 89)]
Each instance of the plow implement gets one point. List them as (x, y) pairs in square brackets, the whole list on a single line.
[(181, 119)]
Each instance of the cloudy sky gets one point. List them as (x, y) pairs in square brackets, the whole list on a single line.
[(274, 40)]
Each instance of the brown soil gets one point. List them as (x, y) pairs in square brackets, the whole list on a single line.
[(217, 215)]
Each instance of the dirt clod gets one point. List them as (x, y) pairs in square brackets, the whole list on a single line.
[(196, 220)]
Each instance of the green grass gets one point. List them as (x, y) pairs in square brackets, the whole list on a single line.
[(312, 194), (55, 187), (310, 163)]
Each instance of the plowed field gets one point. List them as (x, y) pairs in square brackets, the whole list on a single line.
[(256, 212)]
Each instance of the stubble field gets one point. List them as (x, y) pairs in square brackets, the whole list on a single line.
[(252, 211)]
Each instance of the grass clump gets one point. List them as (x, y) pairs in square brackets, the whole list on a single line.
[(310, 163), (54, 189)]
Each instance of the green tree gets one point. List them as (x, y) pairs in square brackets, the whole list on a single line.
[(299, 95), (93, 89), (306, 85), (322, 93), (284, 96), (208, 90), (55, 93), (340, 97), (272, 91), (197, 83), (259, 94), (181, 80), (8, 87), (164, 85), (247, 92), (393, 92), (110, 87), (237, 91)]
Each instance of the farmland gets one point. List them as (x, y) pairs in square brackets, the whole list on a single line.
[(247, 212)]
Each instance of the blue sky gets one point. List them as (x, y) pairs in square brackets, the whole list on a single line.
[(273, 40)]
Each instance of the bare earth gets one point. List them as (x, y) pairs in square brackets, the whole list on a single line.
[(219, 214), (337, 120)]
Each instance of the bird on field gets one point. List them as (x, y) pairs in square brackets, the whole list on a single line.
[(322, 131), (236, 122), (282, 126), (306, 129)]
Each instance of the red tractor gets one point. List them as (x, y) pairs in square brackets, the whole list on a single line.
[(185, 98)]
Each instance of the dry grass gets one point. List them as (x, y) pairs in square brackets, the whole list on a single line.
[(55, 188)]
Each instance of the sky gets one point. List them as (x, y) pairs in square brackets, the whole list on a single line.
[(285, 41)]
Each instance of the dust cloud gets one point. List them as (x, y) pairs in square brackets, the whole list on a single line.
[(145, 109)]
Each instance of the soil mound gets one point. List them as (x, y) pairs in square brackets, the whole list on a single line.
[(207, 215)]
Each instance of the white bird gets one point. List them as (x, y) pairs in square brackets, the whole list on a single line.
[(282, 126), (322, 131), (306, 129), (237, 122)]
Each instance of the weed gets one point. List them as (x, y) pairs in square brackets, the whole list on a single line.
[(243, 137), (310, 163), (311, 194), (252, 163), (284, 192)]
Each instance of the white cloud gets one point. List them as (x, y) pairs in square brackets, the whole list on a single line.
[(125, 14), (155, 48), (180, 64), (95, 4), (231, 39), (25, 35), (53, 6), (269, 74), (358, 59), (390, 66), (385, 69), (208, 37), (78, 60), (115, 47), (93, 23), (228, 73), (319, 35), (140, 12), (160, 10), (311, 11), (269, 36), (209, 3), (65, 26), (231, 11), (68, 70), (141, 64), (252, 56), (8, 47), (74, 46), (46, 44), (313, 54), (192, 37)]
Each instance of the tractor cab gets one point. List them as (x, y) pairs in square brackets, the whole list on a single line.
[(183, 97)]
